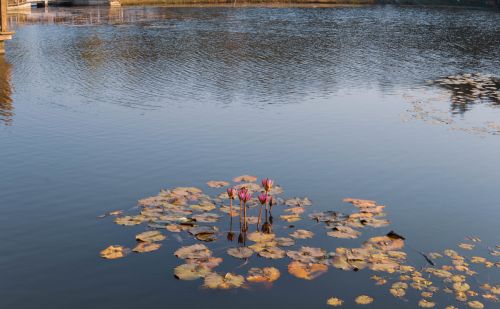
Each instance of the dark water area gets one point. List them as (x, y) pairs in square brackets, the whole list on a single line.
[(102, 107)]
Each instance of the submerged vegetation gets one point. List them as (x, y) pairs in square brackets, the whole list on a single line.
[(188, 210)]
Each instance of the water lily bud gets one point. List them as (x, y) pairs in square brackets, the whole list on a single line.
[(242, 193), (231, 192), (267, 184)]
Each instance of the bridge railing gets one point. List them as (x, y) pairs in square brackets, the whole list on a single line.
[(16, 2)]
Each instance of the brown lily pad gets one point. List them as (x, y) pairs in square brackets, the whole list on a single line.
[(307, 255), (150, 236), (334, 301), (344, 232), (240, 252), (306, 271), (114, 252), (272, 253), (191, 271), (363, 300), (227, 281), (266, 274), (302, 234), (196, 251), (146, 247), (217, 183), (245, 178)]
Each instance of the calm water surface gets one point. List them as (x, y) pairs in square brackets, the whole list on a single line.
[(99, 108)]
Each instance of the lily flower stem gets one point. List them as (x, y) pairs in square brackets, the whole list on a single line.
[(241, 210), (245, 215), (260, 215)]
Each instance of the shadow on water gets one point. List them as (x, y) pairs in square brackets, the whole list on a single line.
[(6, 102)]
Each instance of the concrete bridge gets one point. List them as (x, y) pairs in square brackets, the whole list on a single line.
[(13, 5)]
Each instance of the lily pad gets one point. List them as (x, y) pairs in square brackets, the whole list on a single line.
[(290, 218), (285, 241), (114, 252), (363, 300), (424, 303), (150, 236), (217, 183), (266, 274), (146, 247), (475, 304), (360, 202), (240, 252), (334, 301), (227, 281), (306, 271), (461, 286), (207, 237), (191, 271), (245, 178), (344, 232), (196, 251), (466, 246), (298, 202), (272, 253), (307, 255), (207, 206), (206, 217), (260, 237), (302, 234), (129, 220)]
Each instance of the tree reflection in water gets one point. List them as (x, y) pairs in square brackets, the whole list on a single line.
[(6, 106)]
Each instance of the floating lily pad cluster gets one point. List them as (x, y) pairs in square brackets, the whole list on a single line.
[(190, 214)]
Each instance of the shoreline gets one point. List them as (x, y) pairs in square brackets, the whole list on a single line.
[(307, 3)]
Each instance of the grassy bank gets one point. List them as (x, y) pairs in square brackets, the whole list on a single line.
[(138, 2), (478, 3)]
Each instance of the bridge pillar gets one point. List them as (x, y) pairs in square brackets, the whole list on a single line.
[(5, 34)]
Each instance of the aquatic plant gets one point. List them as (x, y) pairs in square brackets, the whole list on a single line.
[(189, 211)]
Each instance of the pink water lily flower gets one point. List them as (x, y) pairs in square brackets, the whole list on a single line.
[(263, 198), (267, 184), (247, 197), (244, 195), (231, 192)]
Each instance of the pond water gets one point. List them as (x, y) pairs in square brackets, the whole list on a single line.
[(100, 108)]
